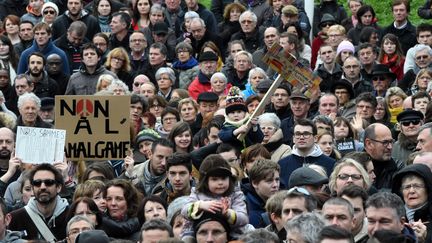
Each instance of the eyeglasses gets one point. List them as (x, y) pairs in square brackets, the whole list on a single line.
[(136, 84), (303, 134), (414, 186), (326, 24), (385, 143), (52, 12), (422, 57), (47, 182), (407, 123), (354, 177), (268, 128), (299, 190), (138, 40), (379, 78)]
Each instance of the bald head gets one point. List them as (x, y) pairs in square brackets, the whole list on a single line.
[(424, 158), (54, 64), (378, 142), (7, 143)]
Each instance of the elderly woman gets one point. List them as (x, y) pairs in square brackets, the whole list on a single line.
[(186, 64), (422, 59), (118, 62), (188, 110), (29, 105), (394, 98), (256, 75), (269, 124), (219, 84), (104, 81), (169, 117), (423, 78), (414, 185), (166, 79), (118, 87), (347, 172)]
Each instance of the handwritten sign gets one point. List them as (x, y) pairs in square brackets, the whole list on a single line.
[(98, 127), (300, 77), (40, 145)]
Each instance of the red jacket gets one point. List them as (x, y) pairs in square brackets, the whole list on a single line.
[(199, 86)]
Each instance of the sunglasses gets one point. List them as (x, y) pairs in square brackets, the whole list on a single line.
[(407, 123), (136, 84), (48, 182), (354, 177), (52, 12), (379, 78)]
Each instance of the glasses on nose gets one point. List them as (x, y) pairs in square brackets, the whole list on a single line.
[(422, 57), (385, 143), (303, 134), (407, 123), (299, 190), (136, 84), (52, 12), (414, 186), (354, 177), (351, 66), (47, 182), (326, 25), (379, 78)]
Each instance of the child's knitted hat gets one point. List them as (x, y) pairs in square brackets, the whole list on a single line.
[(235, 101)]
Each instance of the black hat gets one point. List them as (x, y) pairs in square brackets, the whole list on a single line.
[(209, 217), (381, 69), (94, 236), (306, 176), (264, 85), (409, 115), (344, 84), (208, 56), (327, 18), (47, 103), (208, 97), (160, 28)]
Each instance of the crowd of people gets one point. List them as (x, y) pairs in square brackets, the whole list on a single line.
[(351, 163)]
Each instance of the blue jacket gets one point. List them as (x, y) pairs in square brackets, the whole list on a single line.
[(295, 161), (49, 49), (248, 91), (255, 205)]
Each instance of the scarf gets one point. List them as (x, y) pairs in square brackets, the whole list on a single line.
[(394, 112), (150, 181), (236, 123), (192, 62), (411, 211)]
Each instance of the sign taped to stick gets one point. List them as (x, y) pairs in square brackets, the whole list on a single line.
[(36, 145), (98, 127), (300, 77)]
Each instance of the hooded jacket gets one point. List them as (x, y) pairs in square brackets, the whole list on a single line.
[(56, 223), (84, 83), (49, 49), (31, 16), (402, 149), (424, 213), (296, 160), (62, 23)]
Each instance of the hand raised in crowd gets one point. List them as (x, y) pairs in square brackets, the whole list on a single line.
[(420, 230), (14, 164), (241, 129), (129, 163), (357, 123), (62, 166), (211, 206)]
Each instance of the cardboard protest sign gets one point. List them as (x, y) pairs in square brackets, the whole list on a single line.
[(289, 69), (40, 145), (300, 77), (98, 127)]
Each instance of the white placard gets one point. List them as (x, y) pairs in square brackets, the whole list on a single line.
[(40, 145)]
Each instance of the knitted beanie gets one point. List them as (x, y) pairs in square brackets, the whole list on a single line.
[(345, 46), (235, 101)]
